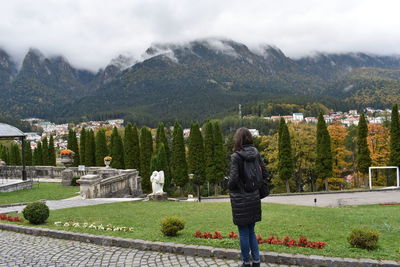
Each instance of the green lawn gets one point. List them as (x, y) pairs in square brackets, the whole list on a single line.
[(48, 191), (331, 225)]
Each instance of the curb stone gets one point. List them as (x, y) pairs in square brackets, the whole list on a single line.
[(196, 250)]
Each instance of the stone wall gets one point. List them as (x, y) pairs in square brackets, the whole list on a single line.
[(16, 186)]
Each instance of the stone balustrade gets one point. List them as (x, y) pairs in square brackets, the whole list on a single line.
[(14, 172), (95, 182), (109, 182)]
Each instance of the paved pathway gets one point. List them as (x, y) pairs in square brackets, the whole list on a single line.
[(72, 202), (27, 250), (334, 199)]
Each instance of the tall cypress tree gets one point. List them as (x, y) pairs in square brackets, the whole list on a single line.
[(129, 147), (82, 146), (5, 155), (209, 153), (219, 154), (35, 157), (323, 162), (164, 165), (161, 138), (101, 147), (285, 165), (28, 153), (196, 161), (45, 152), (394, 159), (146, 152), (73, 145), (363, 154), (117, 150), (39, 154), (136, 148), (52, 152), (178, 157), (15, 156), (90, 149)]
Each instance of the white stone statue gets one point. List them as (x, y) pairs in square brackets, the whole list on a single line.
[(157, 182)]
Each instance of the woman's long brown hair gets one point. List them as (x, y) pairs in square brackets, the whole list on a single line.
[(242, 137)]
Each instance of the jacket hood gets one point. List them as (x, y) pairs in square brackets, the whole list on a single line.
[(248, 153)]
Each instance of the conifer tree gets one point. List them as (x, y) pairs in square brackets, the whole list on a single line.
[(73, 145), (363, 154), (146, 151), (196, 161), (129, 146), (117, 150), (394, 158), (219, 154), (285, 165), (35, 157), (136, 148), (164, 165), (14, 155), (101, 147), (178, 157), (5, 155), (28, 153), (45, 152), (161, 138), (82, 146), (323, 162), (52, 152), (90, 149), (209, 153), (39, 154)]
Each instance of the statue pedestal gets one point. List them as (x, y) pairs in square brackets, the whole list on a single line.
[(158, 197), (67, 176)]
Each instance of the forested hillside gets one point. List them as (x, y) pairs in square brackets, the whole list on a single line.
[(197, 80)]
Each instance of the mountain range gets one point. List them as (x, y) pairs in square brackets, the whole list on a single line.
[(193, 81)]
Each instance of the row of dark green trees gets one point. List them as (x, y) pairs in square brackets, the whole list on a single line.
[(43, 155), (324, 161), (202, 154)]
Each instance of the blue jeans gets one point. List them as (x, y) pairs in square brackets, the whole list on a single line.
[(248, 242)]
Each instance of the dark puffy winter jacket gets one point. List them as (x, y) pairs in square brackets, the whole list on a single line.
[(246, 207)]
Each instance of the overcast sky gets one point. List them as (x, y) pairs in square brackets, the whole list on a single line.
[(91, 32)]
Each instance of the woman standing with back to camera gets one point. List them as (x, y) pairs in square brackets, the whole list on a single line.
[(246, 206)]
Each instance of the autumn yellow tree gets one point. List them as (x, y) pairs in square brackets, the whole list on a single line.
[(378, 143), (338, 135), (304, 154)]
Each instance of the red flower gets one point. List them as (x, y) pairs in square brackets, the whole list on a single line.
[(207, 235), (198, 234)]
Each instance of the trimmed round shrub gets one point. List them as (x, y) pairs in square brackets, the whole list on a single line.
[(36, 212), (171, 225), (363, 238)]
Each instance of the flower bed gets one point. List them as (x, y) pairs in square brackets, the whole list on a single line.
[(5, 217), (286, 241), (290, 242), (108, 227)]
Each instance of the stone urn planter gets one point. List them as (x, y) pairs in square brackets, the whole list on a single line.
[(107, 161), (67, 159)]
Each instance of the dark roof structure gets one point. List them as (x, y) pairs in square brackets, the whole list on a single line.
[(10, 132)]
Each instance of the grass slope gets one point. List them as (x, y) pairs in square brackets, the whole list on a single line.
[(48, 191), (331, 225)]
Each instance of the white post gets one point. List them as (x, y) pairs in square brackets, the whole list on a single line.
[(370, 179), (398, 178)]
